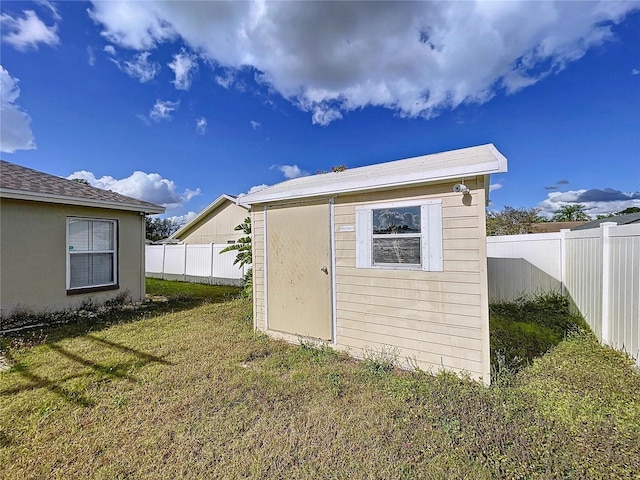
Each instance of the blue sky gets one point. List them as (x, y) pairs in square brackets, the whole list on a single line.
[(179, 102)]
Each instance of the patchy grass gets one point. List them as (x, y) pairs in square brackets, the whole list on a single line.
[(195, 393)]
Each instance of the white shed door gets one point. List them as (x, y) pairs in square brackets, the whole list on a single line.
[(299, 270)]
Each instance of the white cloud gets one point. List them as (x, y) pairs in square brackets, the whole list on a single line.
[(254, 189), (92, 55), (495, 186), (150, 187), (144, 119), (51, 7), (110, 49), (255, 125), (139, 67), (201, 125), (323, 114), (292, 171), (635, 71), (132, 24), (15, 128), (162, 110), (28, 31), (183, 219), (595, 201), (183, 64), (416, 58)]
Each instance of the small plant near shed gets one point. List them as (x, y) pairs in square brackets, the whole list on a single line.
[(380, 362)]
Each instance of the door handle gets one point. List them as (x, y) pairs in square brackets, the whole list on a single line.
[(325, 270)]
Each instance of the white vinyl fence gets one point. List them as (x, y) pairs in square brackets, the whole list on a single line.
[(598, 269), (201, 263)]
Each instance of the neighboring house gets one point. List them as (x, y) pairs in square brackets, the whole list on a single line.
[(382, 258), (550, 227), (619, 219), (214, 224), (63, 243)]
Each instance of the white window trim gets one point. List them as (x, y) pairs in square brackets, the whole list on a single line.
[(431, 235), (114, 251)]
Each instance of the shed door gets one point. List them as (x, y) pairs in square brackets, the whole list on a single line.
[(299, 270)]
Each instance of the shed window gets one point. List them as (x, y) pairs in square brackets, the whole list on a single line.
[(400, 235), (91, 253)]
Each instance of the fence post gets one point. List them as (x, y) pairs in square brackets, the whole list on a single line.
[(184, 269), (563, 260), (211, 263), (164, 253), (606, 278)]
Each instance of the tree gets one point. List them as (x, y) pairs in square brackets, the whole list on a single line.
[(160, 228), (570, 213), (244, 255), (81, 181), (626, 211), (512, 221)]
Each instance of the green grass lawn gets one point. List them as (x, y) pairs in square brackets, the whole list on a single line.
[(188, 390)]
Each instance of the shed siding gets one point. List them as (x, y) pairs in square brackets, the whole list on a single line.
[(33, 255), (218, 226), (259, 293), (431, 319)]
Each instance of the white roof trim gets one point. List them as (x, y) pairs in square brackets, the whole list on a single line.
[(466, 162), (212, 206), (82, 202)]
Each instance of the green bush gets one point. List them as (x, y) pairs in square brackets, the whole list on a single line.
[(528, 327)]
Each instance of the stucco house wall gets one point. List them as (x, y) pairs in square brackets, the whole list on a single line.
[(45, 221), (35, 279)]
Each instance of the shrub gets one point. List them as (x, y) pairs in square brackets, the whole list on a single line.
[(529, 326)]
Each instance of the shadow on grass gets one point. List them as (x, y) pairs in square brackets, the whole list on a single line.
[(37, 382), (115, 371), (148, 358)]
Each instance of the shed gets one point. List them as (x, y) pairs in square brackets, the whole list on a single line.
[(382, 258), (63, 243), (215, 224)]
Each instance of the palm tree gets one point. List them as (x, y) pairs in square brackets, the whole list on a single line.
[(244, 255), (571, 213)]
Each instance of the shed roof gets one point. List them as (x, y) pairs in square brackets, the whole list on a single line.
[(203, 214), (619, 219), (454, 164), (22, 183)]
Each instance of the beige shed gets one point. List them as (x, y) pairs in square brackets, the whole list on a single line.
[(63, 243), (215, 224), (387, 257)]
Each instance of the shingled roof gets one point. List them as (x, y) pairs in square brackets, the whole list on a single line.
[(23, 183), (619, 219)]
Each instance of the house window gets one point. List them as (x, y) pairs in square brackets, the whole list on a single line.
[(400, 235), (91, 253)]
